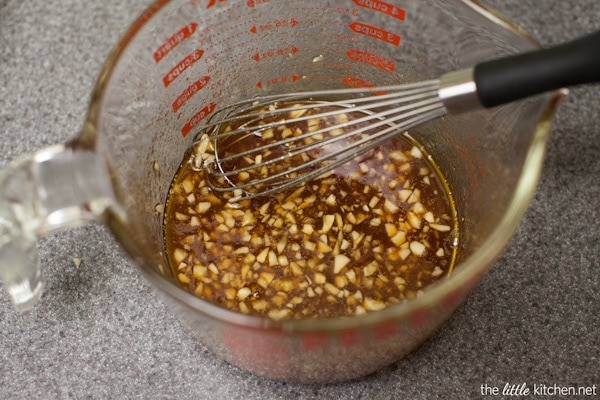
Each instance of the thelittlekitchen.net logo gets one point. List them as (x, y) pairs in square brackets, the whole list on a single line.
[(537, 389)]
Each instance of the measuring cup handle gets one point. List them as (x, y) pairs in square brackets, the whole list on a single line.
[(55, 188)]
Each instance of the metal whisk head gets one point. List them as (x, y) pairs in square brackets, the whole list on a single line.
[(273, 143)]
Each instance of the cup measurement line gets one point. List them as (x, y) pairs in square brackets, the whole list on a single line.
[(375, 32), (182, 66), (189, 92), (175, 40), (382, 7), (371, 59), (197, 118)]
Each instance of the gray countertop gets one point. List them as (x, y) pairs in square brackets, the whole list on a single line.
[(101, 331)]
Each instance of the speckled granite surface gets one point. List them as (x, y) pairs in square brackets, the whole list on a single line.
[(101, 332)]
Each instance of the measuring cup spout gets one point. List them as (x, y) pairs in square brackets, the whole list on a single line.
[(55, 188)]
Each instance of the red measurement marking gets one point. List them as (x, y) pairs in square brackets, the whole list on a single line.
[(375, 32), (349, 338), (451, 301), (252, 3), (419, 317), (371, 59), (382, 7), (385, 330), (354, 82), (347, 11), (314, 341), (273, 53), (172, 42), (283, 23), (257, 349), (277, 80), (211, 3), (346, 37), (197, 118), (184, 64), (189, 92)]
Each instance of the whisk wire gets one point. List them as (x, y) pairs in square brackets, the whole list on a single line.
[(244, 110), (344, 106), (292, 182), (386, 111), (399, 113), (275, 98), (373, 102), (400, 122)]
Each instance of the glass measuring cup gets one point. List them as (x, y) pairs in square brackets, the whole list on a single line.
[(132, 126)]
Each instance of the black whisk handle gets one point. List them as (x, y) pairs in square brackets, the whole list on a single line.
[(516, 77)]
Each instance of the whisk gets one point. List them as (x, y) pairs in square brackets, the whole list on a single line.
[(260, 147)]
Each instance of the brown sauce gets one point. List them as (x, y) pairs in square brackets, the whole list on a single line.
[(372, 233)]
